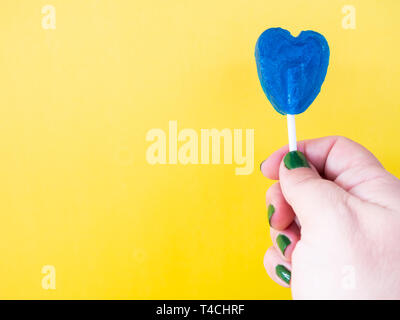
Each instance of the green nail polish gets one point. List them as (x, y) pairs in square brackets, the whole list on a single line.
[(282, 241), (271, 211), (283, 273), (295, 159)]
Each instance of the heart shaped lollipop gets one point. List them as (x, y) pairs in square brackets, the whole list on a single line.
[(291, 71)]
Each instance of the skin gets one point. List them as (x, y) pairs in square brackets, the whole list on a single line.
[(344, 244)]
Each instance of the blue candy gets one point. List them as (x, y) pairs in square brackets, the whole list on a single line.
[(291, 69)]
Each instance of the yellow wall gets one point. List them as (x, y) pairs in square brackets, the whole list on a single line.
[(76, 191)]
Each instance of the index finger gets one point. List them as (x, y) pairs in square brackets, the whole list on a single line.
[(331, 156)]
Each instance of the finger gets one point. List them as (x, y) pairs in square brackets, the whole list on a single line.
[(278, 269), (307, 193), (331, 156), (280, 213), (285, 241)]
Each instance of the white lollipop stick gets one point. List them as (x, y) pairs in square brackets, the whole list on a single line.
[(291, 124)]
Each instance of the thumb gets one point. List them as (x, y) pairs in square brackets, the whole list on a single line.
[(311, 197)]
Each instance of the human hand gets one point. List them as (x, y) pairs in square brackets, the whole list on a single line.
[(348, 207)]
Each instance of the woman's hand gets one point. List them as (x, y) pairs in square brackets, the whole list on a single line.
[(348, 207)]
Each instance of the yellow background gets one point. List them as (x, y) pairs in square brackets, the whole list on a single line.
[(76, 191)]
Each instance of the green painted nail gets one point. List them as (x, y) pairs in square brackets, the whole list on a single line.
[(271, 211), (283, 273), (282, 241), (295, 159)]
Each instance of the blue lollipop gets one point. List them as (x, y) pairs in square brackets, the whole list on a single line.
[(291, 71)]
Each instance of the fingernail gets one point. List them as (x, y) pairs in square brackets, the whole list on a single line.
[(282, 241), (271, 211), (283, 273), (261, 164), (295, 159)]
